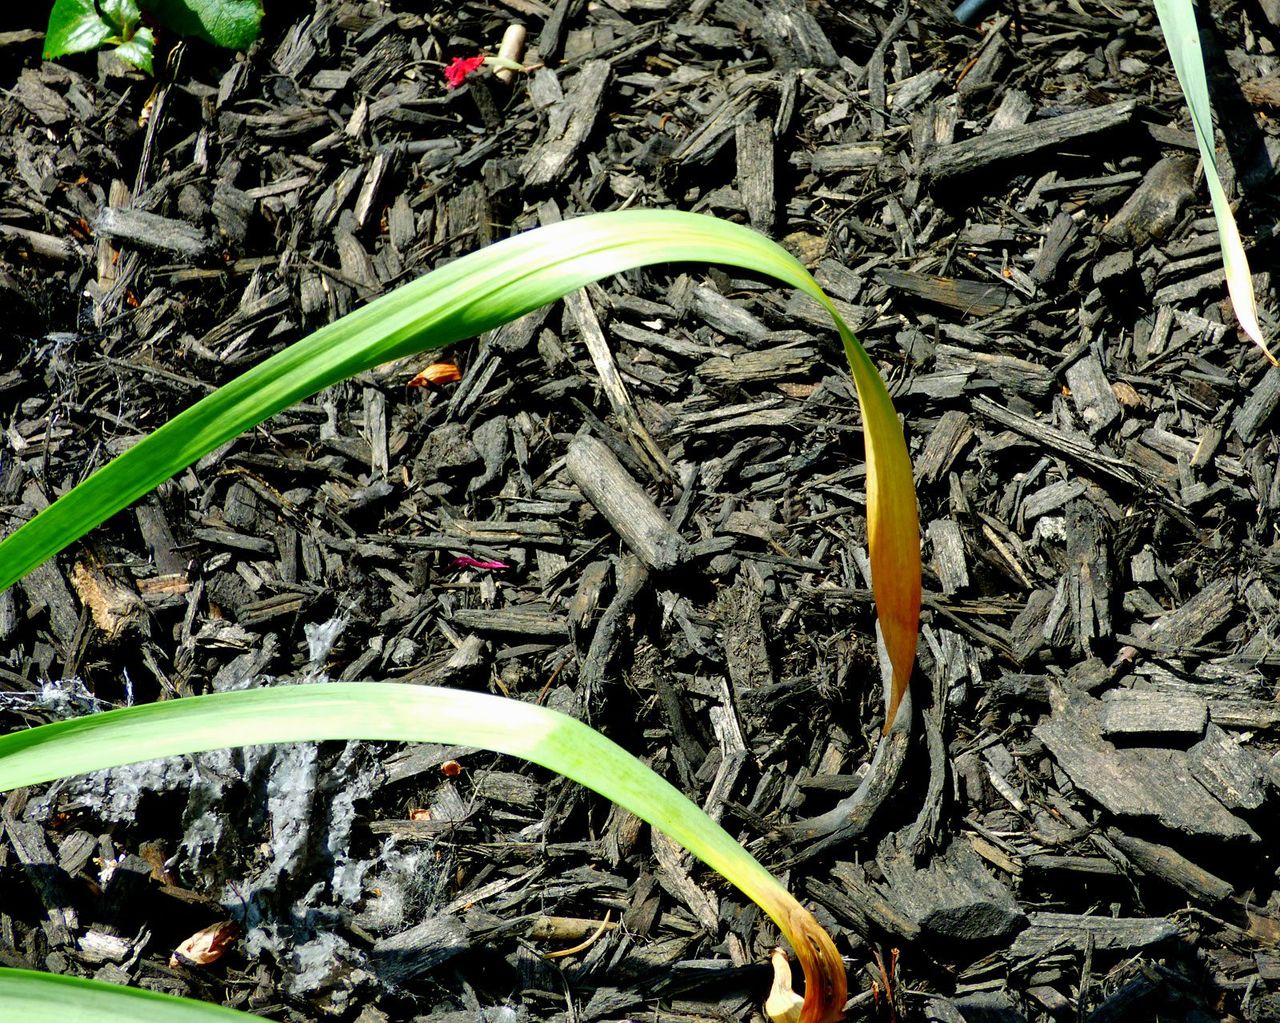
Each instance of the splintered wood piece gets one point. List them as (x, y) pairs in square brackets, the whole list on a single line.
[(972, 297), (1074, 446), (949, 438), (983, 150), (1057, 243), (153, 232), (1147, 712), (857, 900), (41, 868), (1051, 932), (521, 621), (1189, 624), (624, 504), (755, 173), (743, 638), (569, 123), (1258, 407), (421, 948), (1170, 865), (1155, 205), (1231, 771), (948, 555), (632, 576), (1088, 580), (1091, 393)]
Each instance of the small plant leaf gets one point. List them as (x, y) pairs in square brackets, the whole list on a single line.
[(75, 26), (124, 15), (1182, 37), (139, 50), (233, 24)]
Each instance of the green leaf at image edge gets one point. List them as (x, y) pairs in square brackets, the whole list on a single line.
[(233, 24), (75, 26), (385, 711), (1182, 38), (45, 997)]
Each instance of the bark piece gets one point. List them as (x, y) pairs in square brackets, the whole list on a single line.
[(948, 555), (569, 123), (1131, 712), (1053, 932), (983, 150), (1170, 865), (1156, 204), (153, 232), (625, 505), (755, 173), (1189, 624), (1139, 782), (1091, 393)]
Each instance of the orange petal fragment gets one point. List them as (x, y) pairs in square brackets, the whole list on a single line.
[(437, 373)]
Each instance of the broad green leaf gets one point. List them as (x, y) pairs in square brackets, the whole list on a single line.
[(75, 26), (230, 23), (477, 293), (32, 997), (1182, 37), (408, 713)]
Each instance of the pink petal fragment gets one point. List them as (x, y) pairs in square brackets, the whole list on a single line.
[(466, 561)]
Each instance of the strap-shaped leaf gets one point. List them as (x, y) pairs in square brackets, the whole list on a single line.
[(51, 998), (407, 713), (1182, 37)]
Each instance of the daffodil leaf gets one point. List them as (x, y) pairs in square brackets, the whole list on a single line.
[(409, 713), (477, 293), (1182, 37)]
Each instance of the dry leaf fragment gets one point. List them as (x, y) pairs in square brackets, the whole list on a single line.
[(1126, 395), (205, 946), (116, 608)]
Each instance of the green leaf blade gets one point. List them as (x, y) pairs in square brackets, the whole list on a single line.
[(51, 998), (1182, 38), (389, 712), (476, 293)]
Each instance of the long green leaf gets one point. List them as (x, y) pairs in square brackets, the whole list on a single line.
[(30, 997), (387, 711), (467, 297), (1182, 37)]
